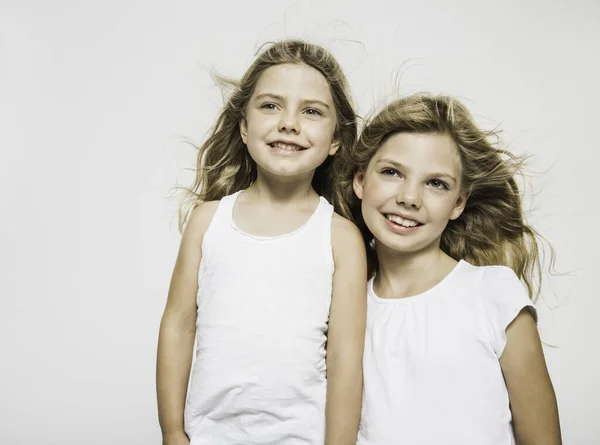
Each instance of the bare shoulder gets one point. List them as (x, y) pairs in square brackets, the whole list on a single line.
[(345, 237), (199, 220)]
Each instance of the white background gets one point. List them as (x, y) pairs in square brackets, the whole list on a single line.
[(96, 99)]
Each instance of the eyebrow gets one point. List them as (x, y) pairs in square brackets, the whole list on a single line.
[(400, 166), (281, 99)]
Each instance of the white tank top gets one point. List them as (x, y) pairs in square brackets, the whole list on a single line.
[(263, 307)]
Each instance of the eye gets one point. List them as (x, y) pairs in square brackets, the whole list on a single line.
[(313, 112), (390, 172), (437, 184), (269, 106)]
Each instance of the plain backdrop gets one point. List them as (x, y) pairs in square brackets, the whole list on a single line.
[(97, 100)]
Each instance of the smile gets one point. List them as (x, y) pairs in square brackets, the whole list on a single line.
[(404, 222), (281, 146)]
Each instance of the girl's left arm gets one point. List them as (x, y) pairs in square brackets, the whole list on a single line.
[(346, 337), (532, 399)]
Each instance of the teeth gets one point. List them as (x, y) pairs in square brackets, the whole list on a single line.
[(289, 147), (401, 221)]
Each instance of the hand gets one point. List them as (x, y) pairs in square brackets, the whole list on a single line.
[(178, 438)]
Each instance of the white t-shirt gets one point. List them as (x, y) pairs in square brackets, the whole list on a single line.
[(432, 374)]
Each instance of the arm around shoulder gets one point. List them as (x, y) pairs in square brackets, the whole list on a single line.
[(178, 327), (345, 344)]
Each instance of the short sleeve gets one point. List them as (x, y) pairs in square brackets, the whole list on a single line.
[(503, 297)]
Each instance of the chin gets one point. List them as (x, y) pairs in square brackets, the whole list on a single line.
[(402, 244)]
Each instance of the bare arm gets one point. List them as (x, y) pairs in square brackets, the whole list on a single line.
[(345, 344), (178, 328), (532, 398)]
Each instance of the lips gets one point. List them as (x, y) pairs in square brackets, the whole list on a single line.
[(402, 221), (286, 146)]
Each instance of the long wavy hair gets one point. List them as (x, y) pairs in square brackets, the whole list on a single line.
[(491, 230), (223, 163)]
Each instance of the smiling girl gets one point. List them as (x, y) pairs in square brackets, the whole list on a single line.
[(268, 279), (452, 352)]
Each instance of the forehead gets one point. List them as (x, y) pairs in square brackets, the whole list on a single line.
[(294, 80), (422, 151)]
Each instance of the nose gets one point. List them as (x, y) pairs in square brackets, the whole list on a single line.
[(409, 195), (289, 123)]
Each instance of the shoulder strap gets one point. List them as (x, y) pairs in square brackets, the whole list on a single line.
[(319, 230), (222, 220)]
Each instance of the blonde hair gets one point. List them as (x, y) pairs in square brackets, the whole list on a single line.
[(491, 230), (223, 163)]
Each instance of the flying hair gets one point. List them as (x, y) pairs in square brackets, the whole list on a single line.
[(492, 229), (223, 164)]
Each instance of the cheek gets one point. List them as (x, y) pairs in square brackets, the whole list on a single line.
[(257, 125), (375, 192), (320, 131), (443, 207)]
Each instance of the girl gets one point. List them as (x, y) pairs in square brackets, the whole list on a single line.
[(267, 275), (452, 353)]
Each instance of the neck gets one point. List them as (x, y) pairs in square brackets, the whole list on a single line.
[(277, 191), (401, 275)]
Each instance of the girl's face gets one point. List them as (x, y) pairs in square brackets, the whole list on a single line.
[(290, 122), (410, 190)]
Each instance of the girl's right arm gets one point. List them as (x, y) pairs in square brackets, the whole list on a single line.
[(178, 328)]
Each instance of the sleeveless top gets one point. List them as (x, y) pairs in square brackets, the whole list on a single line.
[(259, 375)]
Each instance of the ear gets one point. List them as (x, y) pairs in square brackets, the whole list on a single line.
[(334, 147), (357, 184), (459, 206), (244, 129)]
